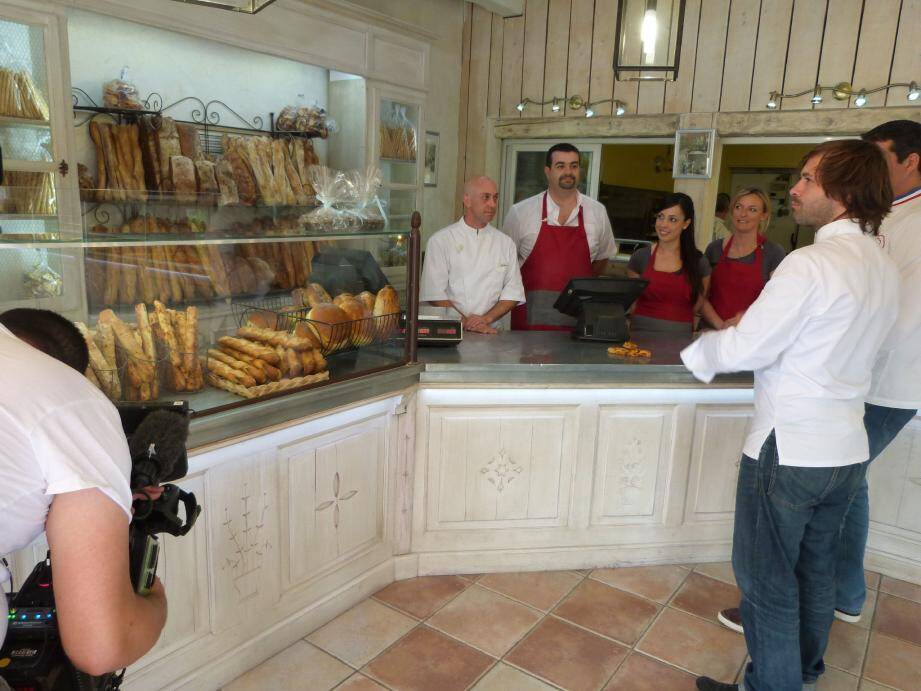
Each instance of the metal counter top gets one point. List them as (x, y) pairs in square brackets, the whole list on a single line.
[(552, 357)]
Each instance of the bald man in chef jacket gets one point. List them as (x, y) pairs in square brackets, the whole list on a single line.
[(471, 268)]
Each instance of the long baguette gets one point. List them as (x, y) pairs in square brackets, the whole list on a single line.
[(265, 389), (221, 383), (229, 373), (238, 365), (272, 373), (275, 338), (105, 372), (191, 363), (250, 348)]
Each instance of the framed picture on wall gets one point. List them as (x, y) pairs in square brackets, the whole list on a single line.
[(693, 154), (430, 178)]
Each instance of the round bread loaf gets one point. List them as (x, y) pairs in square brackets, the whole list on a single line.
[(386, 312), (362, 331), (261, 319), (317, 295), (367, 299), (338, 300), (303, 329), (324, 320)]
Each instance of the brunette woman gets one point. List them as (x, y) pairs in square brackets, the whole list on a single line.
[(677, 272), (743, 262)]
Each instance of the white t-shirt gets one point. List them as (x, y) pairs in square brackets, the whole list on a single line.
[(523, 221), (58, 434), (897, 373), (811, 339), (472, 268)]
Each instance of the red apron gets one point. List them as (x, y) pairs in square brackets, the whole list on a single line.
[(734, 286), (668, 295), (560, 253)]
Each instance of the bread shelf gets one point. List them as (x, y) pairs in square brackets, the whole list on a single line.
[(10, 121)]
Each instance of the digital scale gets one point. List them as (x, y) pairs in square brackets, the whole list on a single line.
[(437, 331)]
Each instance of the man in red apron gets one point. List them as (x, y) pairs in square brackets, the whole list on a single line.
[(560, 234)]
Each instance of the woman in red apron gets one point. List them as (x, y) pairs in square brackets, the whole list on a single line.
[(742, 262), (560, 253), (675, 269)]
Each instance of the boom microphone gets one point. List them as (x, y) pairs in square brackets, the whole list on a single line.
[(157, 447)]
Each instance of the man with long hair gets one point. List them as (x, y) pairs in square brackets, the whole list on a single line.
[(811, 339)]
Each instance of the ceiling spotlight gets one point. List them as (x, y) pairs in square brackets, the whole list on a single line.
[(520, 106), (817, 96), (914, 93), (556, 105), (589, 112), (861, 99), (620, 109), (772, 101)]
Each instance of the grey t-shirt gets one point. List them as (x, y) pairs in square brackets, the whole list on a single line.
[(639, 260), (772, 253)]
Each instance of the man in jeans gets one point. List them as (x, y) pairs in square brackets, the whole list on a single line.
[(895, 392), (811, 339)]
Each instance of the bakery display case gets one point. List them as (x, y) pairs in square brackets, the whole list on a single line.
[(218, 305)]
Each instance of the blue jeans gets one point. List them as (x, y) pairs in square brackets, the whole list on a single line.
[(787, 525), (883, 425)]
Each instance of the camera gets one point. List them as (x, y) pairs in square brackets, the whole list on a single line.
[(32, 656)]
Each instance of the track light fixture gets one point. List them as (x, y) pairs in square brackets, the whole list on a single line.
[(574, 103), (843, 91)]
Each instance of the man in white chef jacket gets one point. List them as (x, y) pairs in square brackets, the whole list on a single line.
[(811, 339), (471, 269)]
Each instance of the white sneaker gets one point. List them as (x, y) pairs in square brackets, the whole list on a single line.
[(845, 616)]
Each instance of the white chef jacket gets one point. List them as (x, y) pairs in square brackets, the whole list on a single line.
[(523, 221), (811, 339), (897, 372), (720, 229), (472, 268)]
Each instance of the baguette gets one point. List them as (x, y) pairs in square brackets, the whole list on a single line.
[(287, 384), (101, 177), (308, 364), (276, 338), (294, 363), (256, 350), (272, 373), (107, 347), (141, 371), (229, 373), (104, 371), (284, 364), (257, 374), (221, 383), (192, 364)]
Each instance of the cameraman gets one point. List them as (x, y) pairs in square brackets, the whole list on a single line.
[(64, 469)]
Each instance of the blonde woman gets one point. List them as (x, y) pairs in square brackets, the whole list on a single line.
[(743, 262)]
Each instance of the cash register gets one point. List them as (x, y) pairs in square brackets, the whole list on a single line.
[(600, 306)]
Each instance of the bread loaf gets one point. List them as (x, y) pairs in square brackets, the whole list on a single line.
[(367, 299), (386, 303), (169, 146), (150, 152), (189, 141), (247, 191), (182, 174), (317, 295), (362, 328), (325, 320), (226, 184), (206, 177)]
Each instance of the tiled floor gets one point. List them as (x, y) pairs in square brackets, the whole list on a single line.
[(632, 629)]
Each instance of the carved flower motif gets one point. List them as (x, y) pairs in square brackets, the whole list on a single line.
[(334, 502), (501, 470)]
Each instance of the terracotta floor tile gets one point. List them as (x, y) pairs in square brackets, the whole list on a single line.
[(869, 610), (359, 682), (608, 611), (502, 677), (705, 596), (421, 597), (847, 645), (642, 673), (898, 617), (471, 576), (694, 644), (300, 667), (836, 680), (541, 589), (567, 656), (867, 685), (486, 620), (893, 586), (425, 660), (359, 634), (721, 571), (655, 582), (872, 579), (893, 662)]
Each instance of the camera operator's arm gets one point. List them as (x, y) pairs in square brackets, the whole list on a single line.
[(104, 624)]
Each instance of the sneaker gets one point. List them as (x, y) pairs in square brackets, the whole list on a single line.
[(732, 619), (847, 616), (708, 684)]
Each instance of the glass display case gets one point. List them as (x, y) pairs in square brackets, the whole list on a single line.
[(216, 305)]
